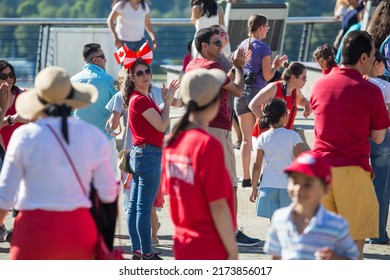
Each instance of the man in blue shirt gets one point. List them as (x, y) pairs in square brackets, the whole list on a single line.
[(94, 73)]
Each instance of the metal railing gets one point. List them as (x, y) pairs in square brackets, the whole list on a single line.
[(27, 39)]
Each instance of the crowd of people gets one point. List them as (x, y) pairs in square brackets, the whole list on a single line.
[(321, 204)]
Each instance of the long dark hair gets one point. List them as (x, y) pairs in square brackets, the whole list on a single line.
[(128, 86), (325, 52), (273, 110), (380, 23), (210, 7), (125, 1), (4, 64)]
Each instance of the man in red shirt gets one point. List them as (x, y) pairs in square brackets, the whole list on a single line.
[(348, 111), (209, 46)]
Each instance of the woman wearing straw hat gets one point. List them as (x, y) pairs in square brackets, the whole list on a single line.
[(196, 180), (54, 221)]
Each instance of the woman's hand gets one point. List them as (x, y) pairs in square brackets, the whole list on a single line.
[(118, 43), (5, 96), (239, 58), (154, 42), (307, 111), (278, 61), (253, 196), (169, 93)]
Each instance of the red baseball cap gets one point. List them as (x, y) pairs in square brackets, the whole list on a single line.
[(311, 164)]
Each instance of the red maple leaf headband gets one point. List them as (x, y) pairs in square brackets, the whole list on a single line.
[(128, 57)]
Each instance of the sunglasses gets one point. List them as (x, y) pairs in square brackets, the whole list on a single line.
[(4, 76), (101, 56), (141, 73), (218, 43)]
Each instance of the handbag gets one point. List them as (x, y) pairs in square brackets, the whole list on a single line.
[(124, 155), (104, 215)]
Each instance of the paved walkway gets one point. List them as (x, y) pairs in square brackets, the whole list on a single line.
[(253, 226)]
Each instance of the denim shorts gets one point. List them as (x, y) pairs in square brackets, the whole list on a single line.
[(134, 45), (241, 104), (270, 200)]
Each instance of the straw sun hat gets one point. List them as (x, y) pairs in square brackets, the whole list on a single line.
[(53, 86)]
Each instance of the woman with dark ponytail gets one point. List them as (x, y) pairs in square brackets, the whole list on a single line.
[(196, 179), (278, 147), (288, 89)]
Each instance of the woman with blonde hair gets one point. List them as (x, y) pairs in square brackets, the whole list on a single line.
[(257, 72)]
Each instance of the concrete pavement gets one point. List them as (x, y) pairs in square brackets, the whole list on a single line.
[(253, 226)]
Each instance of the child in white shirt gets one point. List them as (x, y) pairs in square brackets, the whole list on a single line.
[(277, 148)]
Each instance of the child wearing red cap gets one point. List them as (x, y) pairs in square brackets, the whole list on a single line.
[(305, 230)]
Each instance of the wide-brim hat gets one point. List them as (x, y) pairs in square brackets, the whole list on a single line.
[(53, 86), (201, 85), (311, 164)]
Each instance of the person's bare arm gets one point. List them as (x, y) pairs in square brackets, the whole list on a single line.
[(237, 86), (113, 123), (303, 102), (150, 30), (222, 218), (377, 136), (111, 26), (161, 122), (297, 149), (261, 98), (269, 68), (5, 96), (196, 12), (221, 16), (256, 170)]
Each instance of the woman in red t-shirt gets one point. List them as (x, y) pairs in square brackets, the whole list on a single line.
[(196, 180), (325, 58), (147, 123), (289, 89), (11, 119)]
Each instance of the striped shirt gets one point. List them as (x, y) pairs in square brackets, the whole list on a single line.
[(325, 229)]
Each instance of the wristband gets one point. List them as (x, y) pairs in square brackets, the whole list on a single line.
[(9, 120)]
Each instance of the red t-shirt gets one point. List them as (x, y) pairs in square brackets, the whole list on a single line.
[(291, 104), (346, 108), (6, 131), (194, 176), (223, 118), (142, 131), (187, 58), (327, 71)]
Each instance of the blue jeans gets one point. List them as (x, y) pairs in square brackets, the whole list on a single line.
[(134, 45), (146, 164), (380, 162)]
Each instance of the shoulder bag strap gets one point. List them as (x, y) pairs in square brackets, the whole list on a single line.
[(294, 95), (69, 158)]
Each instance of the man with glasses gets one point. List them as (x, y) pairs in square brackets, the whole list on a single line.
[(209, 46), (94, 73)]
